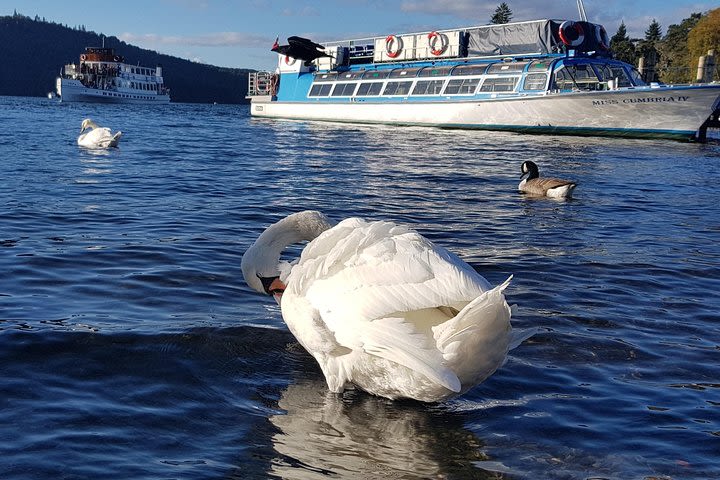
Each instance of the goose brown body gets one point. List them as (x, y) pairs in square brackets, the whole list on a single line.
[(550, 187)]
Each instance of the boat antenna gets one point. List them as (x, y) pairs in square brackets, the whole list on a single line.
[(581, 10)]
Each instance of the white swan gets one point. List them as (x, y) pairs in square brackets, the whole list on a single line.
[(97, 137), (545, 187), (382, 308)]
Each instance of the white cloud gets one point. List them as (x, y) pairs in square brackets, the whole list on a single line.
[(219, 39)]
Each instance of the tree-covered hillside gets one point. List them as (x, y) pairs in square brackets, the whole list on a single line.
[(32, 52)]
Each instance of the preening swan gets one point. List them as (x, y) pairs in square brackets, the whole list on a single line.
[(383, 308), (97, 137), (550, 187)]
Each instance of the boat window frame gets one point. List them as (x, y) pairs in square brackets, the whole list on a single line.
[(576, 83), (343, 86), (409, 83), (530, 75), (320, 86), (370, 92), (469, 84), (494, 81), (429, 80)]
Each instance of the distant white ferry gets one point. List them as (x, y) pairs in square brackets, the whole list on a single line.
[(544, 76), (103, 76)]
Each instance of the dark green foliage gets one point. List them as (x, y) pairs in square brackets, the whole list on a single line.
[(674, 56), (33, 52), (503, 14), (622, 47)]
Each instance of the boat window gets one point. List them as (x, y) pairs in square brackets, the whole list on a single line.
[(344, 89), (320, 90), (469, 70), (535, 81), (375, 74), (367, 89), (397, 88), (326, 77), (461, 86), (612, 72), (499, 84), (434, 71), (506, 67), (636, 77), (350, 75), (578, 77), (539, 66), (404, 72), (428, 87)]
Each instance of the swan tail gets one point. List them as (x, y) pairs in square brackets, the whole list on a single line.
[(115, 139), (475, 342)]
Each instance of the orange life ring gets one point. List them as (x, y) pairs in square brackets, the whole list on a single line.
[(443, 43), (82, 57), (290, 61), (602, 37), (571, 33), (389, 40)]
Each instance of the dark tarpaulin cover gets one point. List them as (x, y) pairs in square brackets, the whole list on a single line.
[(539, 36)]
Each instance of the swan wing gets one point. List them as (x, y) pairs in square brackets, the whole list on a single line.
[(98, 137), (360, 277)]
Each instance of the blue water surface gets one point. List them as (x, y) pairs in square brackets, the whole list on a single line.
[(131, 348)]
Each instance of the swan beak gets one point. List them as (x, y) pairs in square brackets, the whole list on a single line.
[(273, 286)]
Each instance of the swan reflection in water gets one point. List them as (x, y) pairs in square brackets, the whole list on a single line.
[(358, 436)]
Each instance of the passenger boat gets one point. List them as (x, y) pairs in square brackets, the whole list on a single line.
[(101, 75), (543, 76)]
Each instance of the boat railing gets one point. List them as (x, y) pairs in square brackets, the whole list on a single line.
[(261, 83)]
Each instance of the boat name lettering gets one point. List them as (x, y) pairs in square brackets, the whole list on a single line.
[(640, 100)]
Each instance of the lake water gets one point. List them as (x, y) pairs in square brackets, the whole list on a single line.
[(130, 346)]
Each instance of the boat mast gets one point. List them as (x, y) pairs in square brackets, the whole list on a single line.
[(581, 11)]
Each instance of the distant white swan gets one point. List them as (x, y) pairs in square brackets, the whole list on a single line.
[(382, 308), (97, 137)]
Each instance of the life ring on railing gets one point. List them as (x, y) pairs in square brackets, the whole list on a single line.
[(116, 58), (290, 61), (602, 37), (432, 39), (571, 33), (82, 57), (389, 41)]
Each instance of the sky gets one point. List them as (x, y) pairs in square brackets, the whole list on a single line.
[(239, 34)]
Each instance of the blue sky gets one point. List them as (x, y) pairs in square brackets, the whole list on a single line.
[(239, 33)]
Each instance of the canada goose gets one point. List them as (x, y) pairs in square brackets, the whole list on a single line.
[(550, 187)]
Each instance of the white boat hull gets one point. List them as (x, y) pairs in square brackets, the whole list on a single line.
[(657, 112), (70, 90)]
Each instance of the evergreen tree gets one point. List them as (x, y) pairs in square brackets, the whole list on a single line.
[(503, 14), (621, 45), (654, 32)]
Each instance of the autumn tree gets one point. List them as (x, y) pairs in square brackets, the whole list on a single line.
[(673, 50), (704, 36), (503, 14)]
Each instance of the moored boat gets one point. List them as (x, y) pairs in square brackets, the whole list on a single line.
[(102, 76), (543, 76)]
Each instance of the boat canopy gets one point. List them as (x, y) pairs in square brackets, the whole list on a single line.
[(536, 37)]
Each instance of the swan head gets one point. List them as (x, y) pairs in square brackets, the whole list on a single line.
[(261, 262), (87, 123), (530, 169)]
